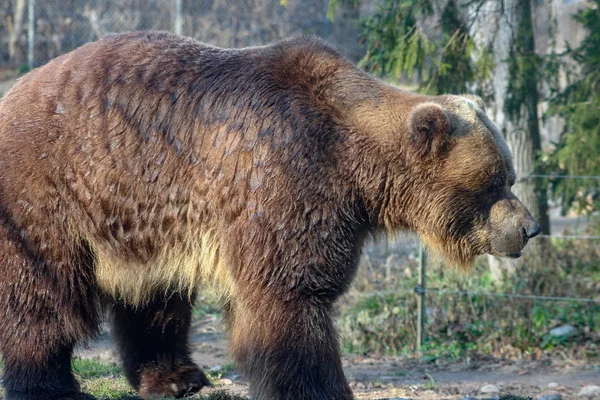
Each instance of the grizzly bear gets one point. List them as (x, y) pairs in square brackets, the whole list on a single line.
[(136, 170)]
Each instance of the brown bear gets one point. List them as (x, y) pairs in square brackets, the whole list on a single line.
[(142, 167)]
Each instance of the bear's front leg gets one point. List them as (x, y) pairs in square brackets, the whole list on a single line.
[(287, 349), (153, 342)]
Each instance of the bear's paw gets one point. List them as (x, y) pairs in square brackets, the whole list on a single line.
[(180, 382)]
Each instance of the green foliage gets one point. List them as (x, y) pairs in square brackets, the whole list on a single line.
[(455, 70), (524, 66), (579, 105), (402, 44), (479, 325), (208, 307), (395, 43), (216, 374), (368, 324), (430, 384), (23, 69), (333, 4)]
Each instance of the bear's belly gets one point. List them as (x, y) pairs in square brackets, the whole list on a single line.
[(181, 268)]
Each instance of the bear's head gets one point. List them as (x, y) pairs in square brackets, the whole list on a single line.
[(448, 176)]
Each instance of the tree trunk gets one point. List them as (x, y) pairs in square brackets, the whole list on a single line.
[(15, 52), (514, 42)]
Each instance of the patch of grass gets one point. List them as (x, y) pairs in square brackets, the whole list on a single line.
[(102, 380), (86, 368), (513, 397), (430, 384), (118, 389), (109, 388), (208, 306), (105, 381), (218, 373)]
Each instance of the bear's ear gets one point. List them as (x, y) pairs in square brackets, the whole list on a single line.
[(429, 129)]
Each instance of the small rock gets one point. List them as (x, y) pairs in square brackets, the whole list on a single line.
[(553, 396), (589, 391), (489, 389), (226, 382), (216, 368), (564, 331), (552, 385)]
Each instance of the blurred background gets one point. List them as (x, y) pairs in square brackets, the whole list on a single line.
[(536, 65)]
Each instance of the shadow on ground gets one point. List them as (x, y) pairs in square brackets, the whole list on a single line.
[(217, 395)]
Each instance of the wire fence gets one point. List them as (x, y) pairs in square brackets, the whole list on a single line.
[(557, 176), (585, 237), (421, 290)]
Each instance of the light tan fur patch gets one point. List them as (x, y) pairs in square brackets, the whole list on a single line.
[(183, 268)]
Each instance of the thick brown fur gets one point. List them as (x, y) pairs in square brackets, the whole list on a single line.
[(139, 168)]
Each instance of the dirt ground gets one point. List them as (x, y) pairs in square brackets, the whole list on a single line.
[(389, 377)]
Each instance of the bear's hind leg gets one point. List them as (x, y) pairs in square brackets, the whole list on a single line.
[(153, 342), (48, 304), (52, 380)]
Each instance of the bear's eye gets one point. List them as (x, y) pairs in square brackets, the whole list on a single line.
[(497, 183)]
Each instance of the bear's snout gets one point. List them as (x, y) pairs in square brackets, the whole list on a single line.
[(511, 225)]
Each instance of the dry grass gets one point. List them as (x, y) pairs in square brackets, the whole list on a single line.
[(460, 325)]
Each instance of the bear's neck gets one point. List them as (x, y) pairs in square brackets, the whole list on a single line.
[(375, 115)]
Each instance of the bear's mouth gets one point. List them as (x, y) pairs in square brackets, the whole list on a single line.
[(514, 254)]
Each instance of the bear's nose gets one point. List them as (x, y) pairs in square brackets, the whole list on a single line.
[(531, 228)]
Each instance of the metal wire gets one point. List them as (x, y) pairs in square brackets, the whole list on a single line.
[(472, 293), (553, 176), (374, 294), (513, 295), (570, 236)]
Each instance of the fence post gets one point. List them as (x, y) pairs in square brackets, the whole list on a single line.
[(420, 290), (178, 20), (30, 33)]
